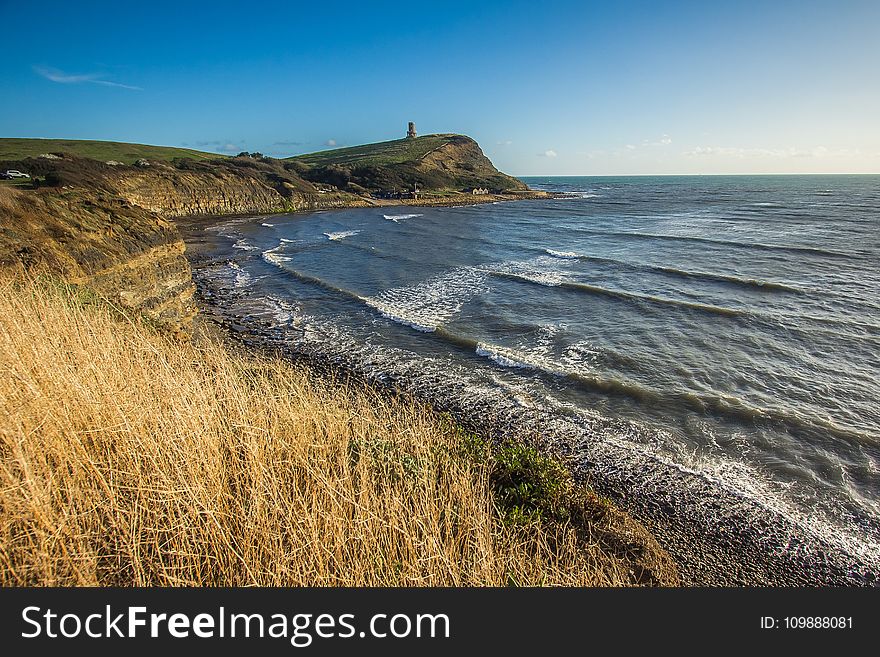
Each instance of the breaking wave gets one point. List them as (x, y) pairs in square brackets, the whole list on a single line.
[(397, 217), (341, 234)]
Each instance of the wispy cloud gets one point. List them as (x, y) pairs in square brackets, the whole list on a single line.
[(548, 153), (664, 140), (774, 153), (506, 142), (222, 145), (54, 75), (330, 142), (287, 143)]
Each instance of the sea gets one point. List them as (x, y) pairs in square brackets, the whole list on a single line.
[(726, 326)]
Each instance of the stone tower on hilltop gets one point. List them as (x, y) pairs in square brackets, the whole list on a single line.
[(411, 132)]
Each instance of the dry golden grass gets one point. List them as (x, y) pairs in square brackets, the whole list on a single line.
[(127, 458)]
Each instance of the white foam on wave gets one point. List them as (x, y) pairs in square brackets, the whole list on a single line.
[(241, 277), (580, 195), (397, 217), (433, 302), (541, 270), (268, 225), (517, 358), (748, 482), (341, 234), (581, 356), (244, 245), (565, 255), (284, 312), (501, 356), (274, 256)]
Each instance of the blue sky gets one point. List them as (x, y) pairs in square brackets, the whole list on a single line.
[(545, 87)]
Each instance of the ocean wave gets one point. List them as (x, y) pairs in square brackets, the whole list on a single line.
[(756, 283), (241, 278), (579, 195), (649, 298), (545, 280), (500, 356), (733, 280), (540, 271), (244, 245), (622, 294), (397, 217), (727, 243), (274, 258), (268, 225), (712, 403), (565, 255), (284, 312), (432, 302), (518, 359), (341, 234)]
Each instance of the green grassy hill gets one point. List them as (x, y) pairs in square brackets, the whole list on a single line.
[(383, 153), (19, 149)]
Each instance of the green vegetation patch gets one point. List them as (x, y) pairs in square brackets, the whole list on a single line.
[(530, 485), (396, 151), (19, 149)]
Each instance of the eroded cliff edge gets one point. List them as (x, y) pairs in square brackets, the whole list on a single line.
[(133, 257)]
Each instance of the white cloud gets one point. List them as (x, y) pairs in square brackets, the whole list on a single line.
[(506, 142), (54, 75), (772, 153), (548, 153), (630, 147), (330, 142), (664, 140), (222, 145)]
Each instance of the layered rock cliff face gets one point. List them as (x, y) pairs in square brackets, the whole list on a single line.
[(173, 192), (129, 255)]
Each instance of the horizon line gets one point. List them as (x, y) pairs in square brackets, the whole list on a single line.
[(681, 175)]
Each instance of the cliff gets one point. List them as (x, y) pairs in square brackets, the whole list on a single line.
[(133, 257)]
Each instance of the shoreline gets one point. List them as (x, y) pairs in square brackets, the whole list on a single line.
[(717, 535)]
